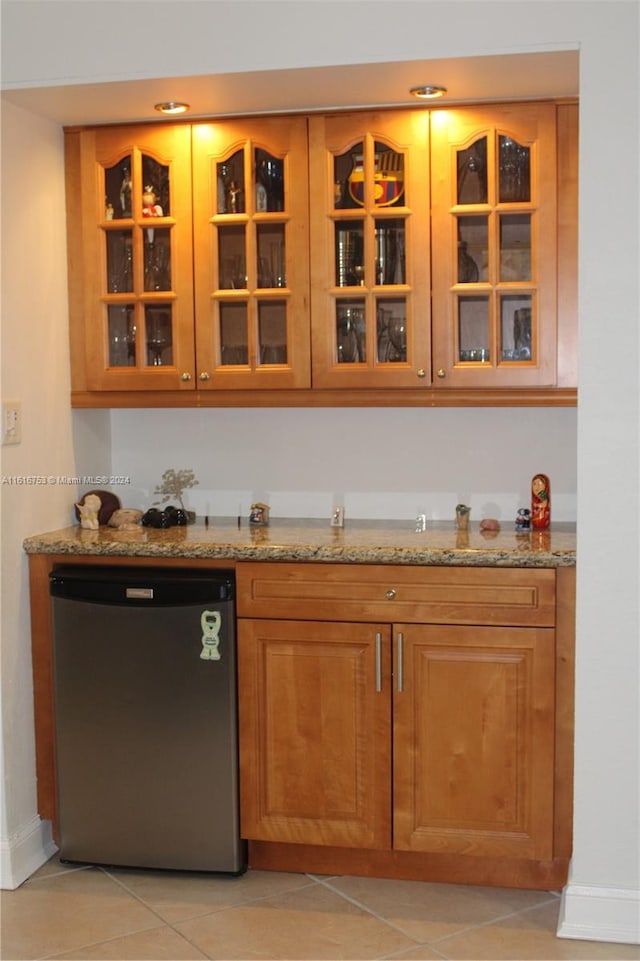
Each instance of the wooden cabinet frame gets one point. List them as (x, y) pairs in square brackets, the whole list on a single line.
[(290, 387)]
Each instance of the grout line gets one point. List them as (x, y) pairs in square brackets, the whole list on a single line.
[(496, 920)]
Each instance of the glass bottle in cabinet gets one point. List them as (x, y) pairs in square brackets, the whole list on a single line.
[(370, 315), (494, 261), (129, 227), (250, 255)]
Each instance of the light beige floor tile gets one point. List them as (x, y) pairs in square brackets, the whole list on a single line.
[(159, 944), (65, 911), (311, 923), (54, 866), (177, 896), (530, 936), (427, 912)]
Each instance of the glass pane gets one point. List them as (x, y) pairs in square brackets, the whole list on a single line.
[(157, 258), (155, 183), (514, 171), (234, 343), (271, 255), (390, 252), (351, 336), (515, 247), (391, 331), (269, 181), (349, 253), (232, 261), (122, 335), (159, 331), (389, 176), (348, 178), (515, 327), (230, 184), (272, 328), (473, 329), (472, 173), (119, 261), (473, 249), (117, 190)]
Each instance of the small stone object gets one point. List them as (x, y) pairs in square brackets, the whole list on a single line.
[(489, 524), (127, 518)]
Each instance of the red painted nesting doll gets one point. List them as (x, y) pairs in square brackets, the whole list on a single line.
[(540, 502)]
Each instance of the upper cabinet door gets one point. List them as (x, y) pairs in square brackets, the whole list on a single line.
[(495, 260), (129, 217), (370, 277), (251, 254)]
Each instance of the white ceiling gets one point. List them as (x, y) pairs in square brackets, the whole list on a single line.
[(474, 79)]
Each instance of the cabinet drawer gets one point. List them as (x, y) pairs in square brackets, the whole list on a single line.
[(436, 595)]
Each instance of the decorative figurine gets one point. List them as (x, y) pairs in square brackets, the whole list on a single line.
[(150, 207), (89, 512), (540, 502), (259, 515), (462, 517), (523, 519), (108, 212), (125, 193)]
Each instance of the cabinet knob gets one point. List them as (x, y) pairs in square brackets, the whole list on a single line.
[(441, 372), (421, 372), (186, 376), (205, 375), (390, 594)]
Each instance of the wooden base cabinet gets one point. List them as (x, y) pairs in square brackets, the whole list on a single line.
[(401, 748)]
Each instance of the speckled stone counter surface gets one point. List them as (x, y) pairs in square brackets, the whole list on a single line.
[(359, 542)]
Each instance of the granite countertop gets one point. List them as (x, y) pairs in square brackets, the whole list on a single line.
[(359, 542)]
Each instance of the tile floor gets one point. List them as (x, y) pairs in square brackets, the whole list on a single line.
[(86, 913)]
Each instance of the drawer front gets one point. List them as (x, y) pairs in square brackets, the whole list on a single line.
[(435, 595)]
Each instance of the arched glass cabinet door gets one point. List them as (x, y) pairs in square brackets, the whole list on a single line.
[(494, 261), (370, 250), (132, 313), (251, 263)]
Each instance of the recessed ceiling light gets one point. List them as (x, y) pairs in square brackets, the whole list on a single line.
[(172, 107), (428, 91)]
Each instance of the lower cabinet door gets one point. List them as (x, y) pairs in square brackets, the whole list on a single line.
[(315, 740), (474, 740)]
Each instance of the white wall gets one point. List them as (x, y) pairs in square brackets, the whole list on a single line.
[(601, 900), (35, 371)]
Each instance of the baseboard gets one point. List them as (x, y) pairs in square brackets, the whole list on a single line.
[(24, 852), (600, 914)]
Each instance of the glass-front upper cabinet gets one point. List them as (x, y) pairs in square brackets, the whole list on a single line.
[(369, 184), (494, 265), (251, 253), (129, 215)]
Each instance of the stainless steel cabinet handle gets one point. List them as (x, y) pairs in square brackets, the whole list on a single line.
[(400, 674), (390, 594), (378, 662)]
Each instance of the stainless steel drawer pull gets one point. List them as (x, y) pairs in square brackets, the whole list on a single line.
[(400, 676), (378, 662)]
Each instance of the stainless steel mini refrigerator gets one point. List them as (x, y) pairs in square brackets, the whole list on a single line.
[(146, 717)]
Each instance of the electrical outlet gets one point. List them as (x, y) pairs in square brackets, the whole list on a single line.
[(11, 422)]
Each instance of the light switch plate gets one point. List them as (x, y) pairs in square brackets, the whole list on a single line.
[(11, 422)]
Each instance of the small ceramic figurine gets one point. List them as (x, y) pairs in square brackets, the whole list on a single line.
[(540, 502), (462, 517), (89, 512), (259, 515), (523, 519)]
